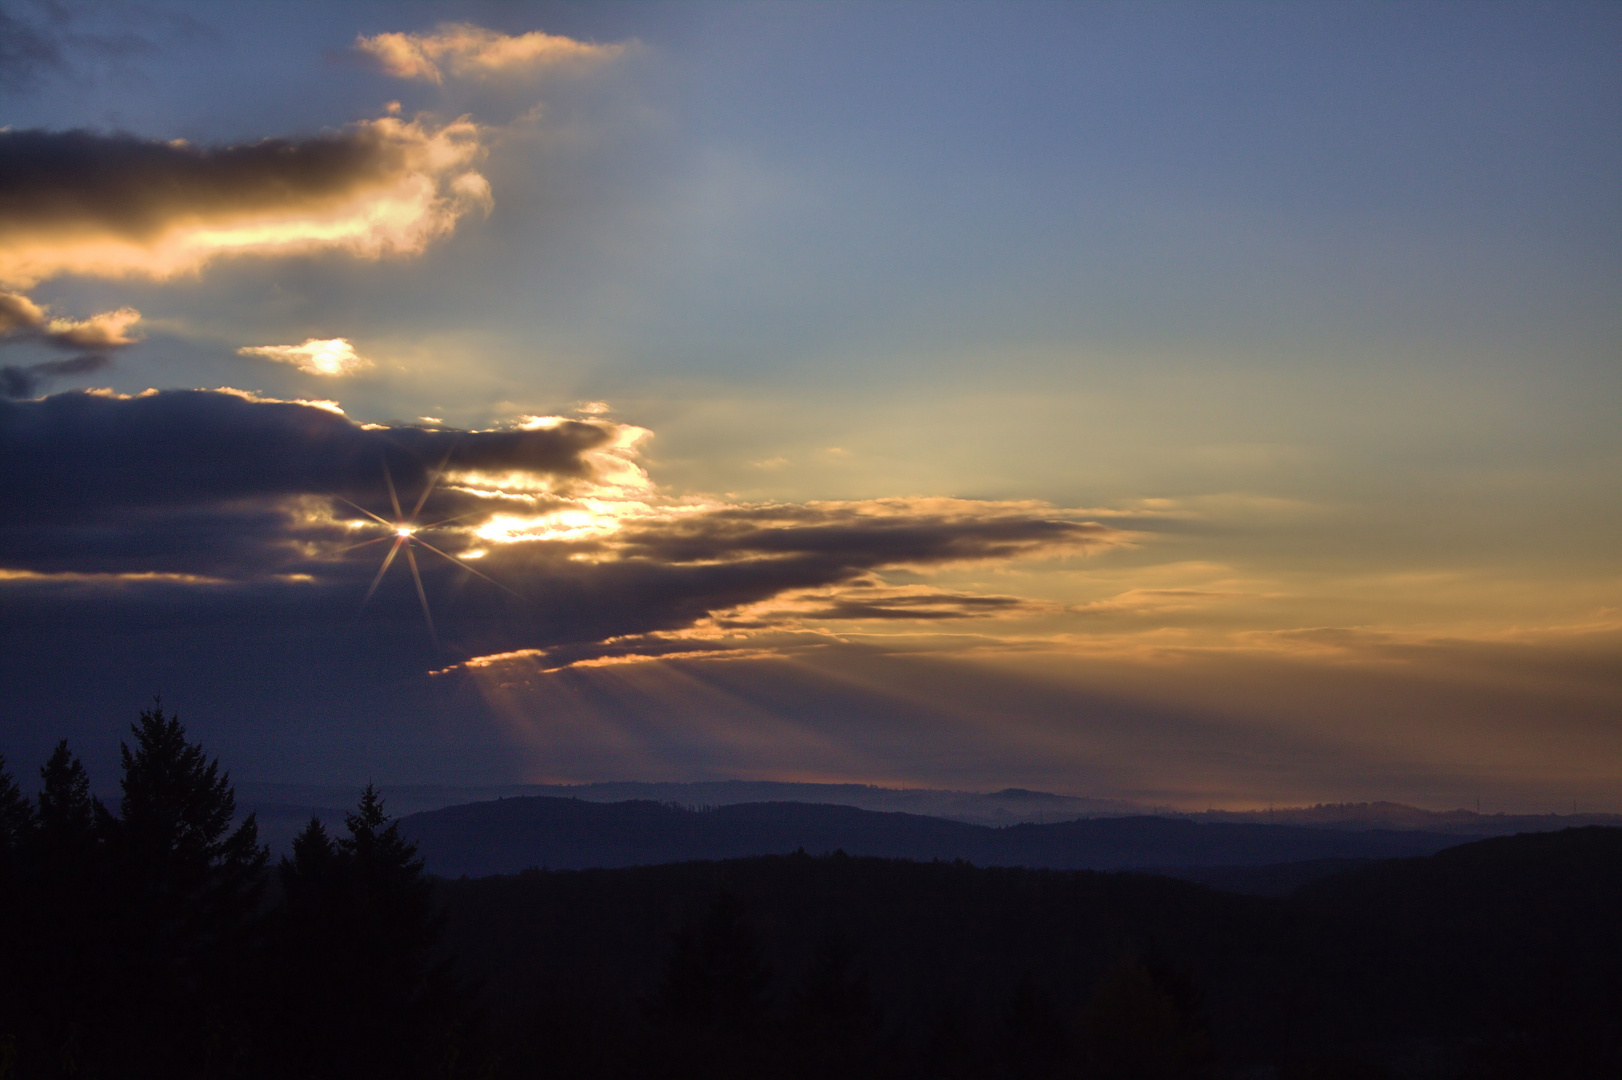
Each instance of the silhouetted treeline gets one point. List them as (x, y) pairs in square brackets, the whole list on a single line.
[(155, 942), (1499, 959), (158, 941)]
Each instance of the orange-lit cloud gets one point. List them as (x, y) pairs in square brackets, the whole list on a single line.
[(22, 320), (784, 625), (332, 356), (466, 51), (109, 330), (115, 205), (21, 317), (18, 314), (871, 599)]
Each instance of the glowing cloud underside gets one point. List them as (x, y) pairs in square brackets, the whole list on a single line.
[(466, 51), (332, 356), (114, 206)]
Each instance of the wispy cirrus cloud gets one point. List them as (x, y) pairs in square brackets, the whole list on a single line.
[(785, 624), (83, 203), (330, 356), (462, 50)]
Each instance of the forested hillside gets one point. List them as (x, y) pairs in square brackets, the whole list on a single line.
[(1502, 958), (153, 938), (509, 835)]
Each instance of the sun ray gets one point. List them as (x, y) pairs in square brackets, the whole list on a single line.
[(363, 543), (469, 569), (406, 534), (422, 595), (433, 478), (393, 498), (399, 542), (368, 513), (445, 521)]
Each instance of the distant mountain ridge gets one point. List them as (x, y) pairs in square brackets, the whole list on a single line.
[(1390, 815), (284, 809), (510, 835)]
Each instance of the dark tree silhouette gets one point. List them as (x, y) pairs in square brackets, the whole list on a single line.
[(16, 820), (716, 977), (1035, 1044), (67, 813), (187, 885), (833, 1023), (16, 832), (1143, 1023), (66, 918), (363, 990), (174, 824), (710, 1017)]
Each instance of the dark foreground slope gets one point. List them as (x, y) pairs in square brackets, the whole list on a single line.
[(1499, 959), (510, 835)]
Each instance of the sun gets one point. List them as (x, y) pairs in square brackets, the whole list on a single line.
[(405, 531)]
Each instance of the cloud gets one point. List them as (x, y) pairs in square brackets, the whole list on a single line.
[(871, 599), (926, 532), (22, 320), (467, 51), (574, 544), (18, 314), (1153, 601), (20, 317), (78, 202), (20, 381), (109, 330), (779, 626), (185, 448), (333, 356)]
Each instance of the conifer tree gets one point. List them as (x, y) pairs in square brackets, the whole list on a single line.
[(16, 827), (187, 887), (716, 976), (358, 940), (834, 1022), (67, 812), (175, 815), (712, 1015), (16, 820), (63, 922)]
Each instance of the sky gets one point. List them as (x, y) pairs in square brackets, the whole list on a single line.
[(1208, 405)]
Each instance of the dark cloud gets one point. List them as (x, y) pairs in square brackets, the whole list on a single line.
[(192, 543), (135, 187), (20, 381), (197, 543), (890, 532), (92, 453), (229, 488), (82, 202), (915, 606)]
